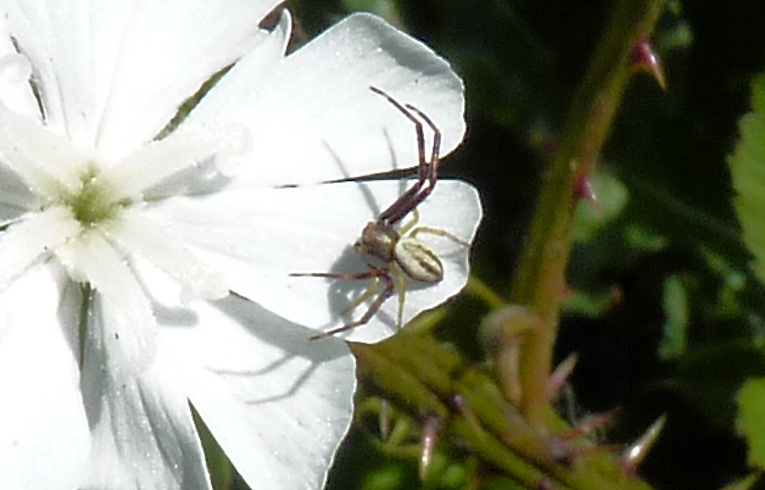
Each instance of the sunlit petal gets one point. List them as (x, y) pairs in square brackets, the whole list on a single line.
[(134, 232), (27, 241), (44, 437), (313, 116), (114, 73), (291, 398), (131, 321), (142, 430)]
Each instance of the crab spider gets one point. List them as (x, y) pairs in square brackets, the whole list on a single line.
[(393, 252)]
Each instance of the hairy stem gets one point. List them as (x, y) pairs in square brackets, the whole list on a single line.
[(540, 281)]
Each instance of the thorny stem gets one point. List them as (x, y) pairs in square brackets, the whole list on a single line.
[(426, 379), (540, 281)]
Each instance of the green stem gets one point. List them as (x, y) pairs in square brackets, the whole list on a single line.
[(477, 288), (427, 379), (540, 280)]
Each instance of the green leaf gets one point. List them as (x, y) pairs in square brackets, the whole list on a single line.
[(747, 166), (743, 483), (386, 9), (676, 311), (750, 422)]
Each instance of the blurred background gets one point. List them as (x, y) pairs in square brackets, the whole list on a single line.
[(664, 312)]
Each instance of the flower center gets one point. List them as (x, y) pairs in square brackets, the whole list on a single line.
[(94, 202)]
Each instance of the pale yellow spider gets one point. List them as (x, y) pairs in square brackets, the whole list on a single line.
[(394, 253)]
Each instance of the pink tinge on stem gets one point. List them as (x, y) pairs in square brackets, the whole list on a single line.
[(431, 429), (644, 58)]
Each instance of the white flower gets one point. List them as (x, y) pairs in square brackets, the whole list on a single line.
[(143, 271)]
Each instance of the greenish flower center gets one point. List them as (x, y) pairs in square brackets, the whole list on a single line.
[(94, 202)]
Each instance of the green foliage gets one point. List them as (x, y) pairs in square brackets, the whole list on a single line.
[(673, 342), (751, 419), (748, 173)]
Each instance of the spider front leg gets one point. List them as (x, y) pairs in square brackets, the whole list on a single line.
[(374, 307), (427, 169)]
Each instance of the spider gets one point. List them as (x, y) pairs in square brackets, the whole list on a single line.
[(393, 253)]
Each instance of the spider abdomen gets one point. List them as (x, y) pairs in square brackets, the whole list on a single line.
[(418, 261)]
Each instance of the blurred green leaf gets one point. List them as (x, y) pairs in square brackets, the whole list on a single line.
[(387, 478), (744, 483), (387, 9), (751, 419), (748, 172), (676, 309)]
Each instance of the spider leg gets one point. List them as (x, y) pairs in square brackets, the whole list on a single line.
[(373, 308), (431, 165), (428, 174), (401, 283), (426, 169), (335, 275), (404, 229), (368, 293), (438, 232), (434, 157)]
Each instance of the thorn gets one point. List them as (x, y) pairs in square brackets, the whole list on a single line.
[(567, 446), (633, 455), (545, 484), (583, 190), (560, 375), (431, 429), (462, 407), (501, 332), (644, 58), (589, 424), (384, 419)]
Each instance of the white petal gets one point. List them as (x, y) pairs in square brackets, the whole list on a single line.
[(28, 240), (131, 322), (277, 403), (114, 73), (313, 116), (15, 196), (257, 238), (138, 235), (15, 79), (43, 160), (44, 439), (143, 436)]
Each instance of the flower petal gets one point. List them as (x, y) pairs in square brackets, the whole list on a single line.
[(143, 435), (91, 258), (45, 161), (112, 74), (277, 403), (313, 115), (28, 240), (137, 235), (44, 439), (258, 237), (15, 79)]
